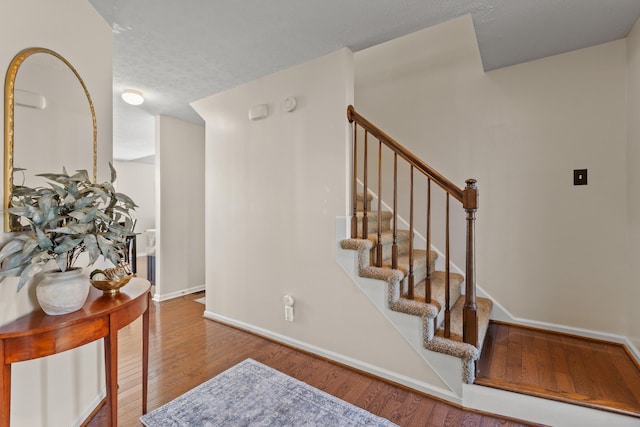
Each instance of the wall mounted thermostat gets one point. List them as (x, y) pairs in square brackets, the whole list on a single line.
[(289, 104), (258, 112)]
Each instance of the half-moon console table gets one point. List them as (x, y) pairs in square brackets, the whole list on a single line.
[(38, 335)]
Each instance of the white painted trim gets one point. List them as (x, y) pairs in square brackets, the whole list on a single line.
[(605, 336), (501, 313), (340, 358), (90, 408), (159, 298), (535, 409)]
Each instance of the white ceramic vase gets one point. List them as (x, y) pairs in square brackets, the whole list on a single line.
[(62, 292)]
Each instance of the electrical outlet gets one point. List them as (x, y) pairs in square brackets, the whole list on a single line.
[(288, 314), (579, 177)]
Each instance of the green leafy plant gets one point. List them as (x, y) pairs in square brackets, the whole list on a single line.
[(71, 216)]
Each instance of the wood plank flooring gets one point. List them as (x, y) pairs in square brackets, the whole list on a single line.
[(557, 366), (186, 350)]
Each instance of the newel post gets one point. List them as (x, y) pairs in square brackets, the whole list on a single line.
[(470, 311)]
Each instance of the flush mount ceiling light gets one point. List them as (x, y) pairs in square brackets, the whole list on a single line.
[(133, 97)]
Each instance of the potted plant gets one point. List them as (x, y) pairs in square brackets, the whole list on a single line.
[(69, 217)]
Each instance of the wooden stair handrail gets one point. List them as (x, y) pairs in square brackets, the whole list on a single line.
[(448, 186), (467, 197)]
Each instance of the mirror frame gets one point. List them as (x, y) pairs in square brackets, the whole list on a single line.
[(9, 97)]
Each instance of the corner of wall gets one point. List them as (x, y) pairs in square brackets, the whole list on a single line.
[(180, 191), (633, 179)]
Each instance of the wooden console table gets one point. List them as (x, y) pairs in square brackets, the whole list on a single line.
[(38, 335)]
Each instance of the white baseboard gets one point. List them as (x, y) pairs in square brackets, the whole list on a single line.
[(604, 336), (502, 314), (340, 358), (164, 297), (90, 408), (538, 410)]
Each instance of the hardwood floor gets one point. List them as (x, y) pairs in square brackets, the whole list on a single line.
[(571, 369), (186, 350)]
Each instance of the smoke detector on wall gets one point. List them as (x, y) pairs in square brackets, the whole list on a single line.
[(289, 104)]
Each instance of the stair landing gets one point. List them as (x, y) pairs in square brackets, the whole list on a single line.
[(582, 371)]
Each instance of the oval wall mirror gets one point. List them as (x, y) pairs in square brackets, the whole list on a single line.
[(47, 122)]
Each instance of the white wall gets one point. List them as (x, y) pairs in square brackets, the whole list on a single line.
[(180, 204), (633, 180), (546, 250), (562, 247), (138, 181), (274, 189), (59, 390)]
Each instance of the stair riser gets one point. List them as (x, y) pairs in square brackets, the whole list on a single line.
[(419, 274), (359, 204), (419, 270), (440, 319), (454, 296), (359, 207), (372, 224), (387, 250), (419, 261)]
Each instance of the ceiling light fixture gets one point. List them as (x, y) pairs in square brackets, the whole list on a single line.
[(132, 97)]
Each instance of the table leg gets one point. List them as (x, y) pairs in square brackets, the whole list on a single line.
[(111, 373), (5, 389), (145, 353)]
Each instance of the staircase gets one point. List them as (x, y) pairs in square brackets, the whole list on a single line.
[(539, 379), (453, 322), (432, 313)]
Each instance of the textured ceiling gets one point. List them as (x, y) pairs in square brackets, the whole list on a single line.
[(179, 51)]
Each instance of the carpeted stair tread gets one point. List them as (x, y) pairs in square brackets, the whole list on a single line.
[(432, 313), (419, 262), (454, 345), (386, 239), (359, 201), (438, 295), (484, 311), (438, 287), (372, 221)]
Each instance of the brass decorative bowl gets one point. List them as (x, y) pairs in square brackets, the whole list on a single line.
[(113, 286)]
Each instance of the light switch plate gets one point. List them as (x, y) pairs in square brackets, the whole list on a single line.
[(579, 177)]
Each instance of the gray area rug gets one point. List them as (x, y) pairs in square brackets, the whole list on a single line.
[(252, 394)]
